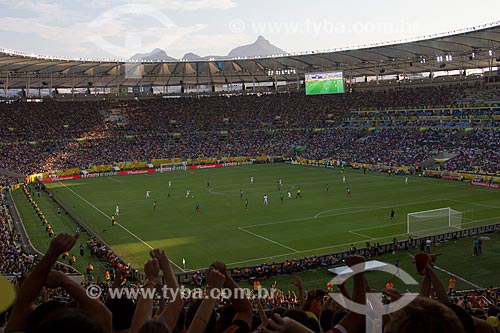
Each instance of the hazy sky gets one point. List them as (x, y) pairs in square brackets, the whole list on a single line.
[(119, 29)]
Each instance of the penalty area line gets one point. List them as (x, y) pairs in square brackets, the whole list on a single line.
[(475, 204), (121, 226), (269, 240), (342, 209), (361, 235), (391, 224)]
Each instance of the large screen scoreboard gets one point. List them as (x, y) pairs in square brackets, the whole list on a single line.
[(324, 83)]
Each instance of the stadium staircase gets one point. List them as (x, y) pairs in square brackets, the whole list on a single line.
[(452, 142), (292, 152), (431, 163), (337, 121), (474, 96), (455, 138), (345, 114)]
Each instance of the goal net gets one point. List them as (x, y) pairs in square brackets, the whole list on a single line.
[(434, 221)]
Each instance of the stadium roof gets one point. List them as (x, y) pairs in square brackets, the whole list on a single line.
[(476, 47)]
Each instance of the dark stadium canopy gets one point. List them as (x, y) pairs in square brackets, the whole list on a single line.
[(476, 47)]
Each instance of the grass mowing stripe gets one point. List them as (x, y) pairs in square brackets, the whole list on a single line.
[(118, 224)]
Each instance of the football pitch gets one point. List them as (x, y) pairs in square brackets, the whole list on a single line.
[(320, 222)]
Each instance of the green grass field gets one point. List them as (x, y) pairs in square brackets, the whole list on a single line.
[(321, 222)]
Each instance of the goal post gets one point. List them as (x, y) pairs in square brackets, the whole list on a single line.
[(434, 221)]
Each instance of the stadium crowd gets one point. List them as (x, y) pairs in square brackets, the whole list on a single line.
[(7, 180), (50, 136), (477, 149), (221, 307), (13, 259)]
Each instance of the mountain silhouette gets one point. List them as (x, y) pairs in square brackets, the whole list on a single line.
[(156, 54), (261, 47)]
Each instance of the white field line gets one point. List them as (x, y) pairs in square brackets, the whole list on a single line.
[(259, 259), (454, 275), (361, 235), (269, 240), (482, 220), (118, 224), (234, 193), (475, 204), (389, 224), (218, 193), (211, 190), (345, 208), (457, 277), (112, 178)]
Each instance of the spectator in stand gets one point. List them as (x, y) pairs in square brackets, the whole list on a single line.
[(91, 315), (167, 319)]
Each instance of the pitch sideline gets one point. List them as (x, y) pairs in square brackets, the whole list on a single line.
[(118, 224)]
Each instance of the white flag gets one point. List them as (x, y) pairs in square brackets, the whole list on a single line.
[(183, 261)]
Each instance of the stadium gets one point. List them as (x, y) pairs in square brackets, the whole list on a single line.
[(285, 167)]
